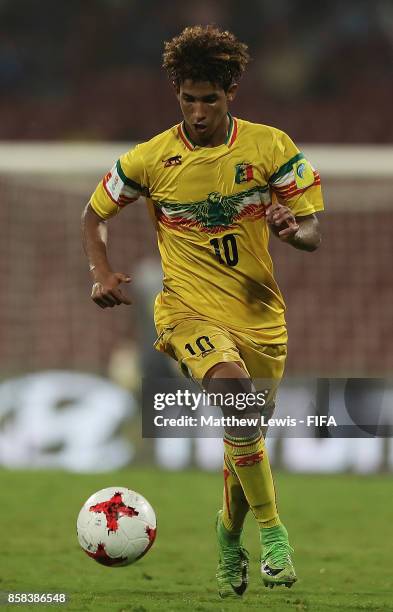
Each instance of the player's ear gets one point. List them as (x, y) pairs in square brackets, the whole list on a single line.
[(231, 93)]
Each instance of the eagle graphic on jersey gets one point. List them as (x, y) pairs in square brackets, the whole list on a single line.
[(218, 212)]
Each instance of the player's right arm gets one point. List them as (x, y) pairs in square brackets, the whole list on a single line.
[(105, 291), (124, 184)]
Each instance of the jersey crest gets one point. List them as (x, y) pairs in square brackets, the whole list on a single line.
[(243, 173)]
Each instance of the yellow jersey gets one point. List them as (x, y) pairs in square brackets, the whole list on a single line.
[(209, 204)]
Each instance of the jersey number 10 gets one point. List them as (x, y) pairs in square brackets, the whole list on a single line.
[(228, 247)]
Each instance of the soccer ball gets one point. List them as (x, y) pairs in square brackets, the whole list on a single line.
[(116, 526)]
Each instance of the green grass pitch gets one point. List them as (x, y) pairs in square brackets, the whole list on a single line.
[(341, 528)]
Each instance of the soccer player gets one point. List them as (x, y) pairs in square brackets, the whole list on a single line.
[(217, 186)]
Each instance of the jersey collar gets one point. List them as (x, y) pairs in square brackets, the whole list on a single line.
[(230, 139)]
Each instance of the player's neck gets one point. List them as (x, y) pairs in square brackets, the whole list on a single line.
[(219, 136)]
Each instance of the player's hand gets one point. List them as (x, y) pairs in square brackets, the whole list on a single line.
[(105, 291), (282, 221)]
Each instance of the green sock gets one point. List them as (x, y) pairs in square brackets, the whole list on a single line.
[(230, 537)]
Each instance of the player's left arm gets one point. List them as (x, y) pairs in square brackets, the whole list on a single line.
[(302, 232), (296, 195)]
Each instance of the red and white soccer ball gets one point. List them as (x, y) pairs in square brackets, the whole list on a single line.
[(116, 526)]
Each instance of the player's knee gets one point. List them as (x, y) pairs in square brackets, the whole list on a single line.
[(227, 378), (231, 379), (226, 370)]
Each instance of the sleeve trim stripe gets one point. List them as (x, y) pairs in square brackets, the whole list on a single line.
[(287, 189), (286, 167), (295, 191), (284, 180), (130, 182), (127, 200)]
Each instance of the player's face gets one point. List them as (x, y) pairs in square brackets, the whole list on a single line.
[(205, 106)]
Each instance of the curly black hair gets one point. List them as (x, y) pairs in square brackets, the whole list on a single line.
[(205, 53)]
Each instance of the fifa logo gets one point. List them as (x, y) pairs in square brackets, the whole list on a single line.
[(301, 170), (243, 173)]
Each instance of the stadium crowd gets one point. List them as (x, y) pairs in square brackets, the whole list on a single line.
[(322, 72)]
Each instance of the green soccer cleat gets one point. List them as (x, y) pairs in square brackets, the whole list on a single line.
[(232, 569), (276, 563)]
